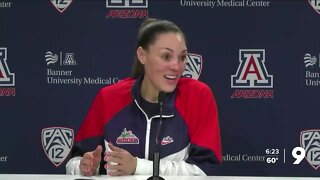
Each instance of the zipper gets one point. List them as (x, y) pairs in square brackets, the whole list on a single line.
[(146, 148)]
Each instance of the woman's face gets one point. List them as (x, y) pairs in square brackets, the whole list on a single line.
[(164, 62)]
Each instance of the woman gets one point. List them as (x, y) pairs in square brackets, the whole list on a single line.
[(118, 136)]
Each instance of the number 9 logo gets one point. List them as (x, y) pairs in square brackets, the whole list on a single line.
[(298, 156)]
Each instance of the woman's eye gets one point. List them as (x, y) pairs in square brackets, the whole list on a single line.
[(165, 57), (183, 58)]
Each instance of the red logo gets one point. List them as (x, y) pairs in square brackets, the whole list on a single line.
[(127, 137)]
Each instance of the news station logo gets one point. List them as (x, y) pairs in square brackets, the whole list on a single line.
[(127, 8), (61, 5), (315, 4), (7, 79), (57, 143), (312, 73), (252, 79), (310, 142), (193, 66)]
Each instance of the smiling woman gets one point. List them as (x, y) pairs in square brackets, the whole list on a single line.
[(124, 124), (163, 58)]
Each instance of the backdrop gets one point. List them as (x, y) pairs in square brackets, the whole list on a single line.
[(260, 57)]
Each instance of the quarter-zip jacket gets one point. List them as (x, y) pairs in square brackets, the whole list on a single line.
[(189, 138)]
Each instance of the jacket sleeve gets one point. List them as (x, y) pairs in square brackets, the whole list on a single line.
[(169, 167), (91, 132), (89, 136), (198, 108)]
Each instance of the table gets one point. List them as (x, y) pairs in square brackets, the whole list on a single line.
[(75, 177)]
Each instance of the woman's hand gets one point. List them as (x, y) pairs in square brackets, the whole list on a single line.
[(90, 161), (125, 163)]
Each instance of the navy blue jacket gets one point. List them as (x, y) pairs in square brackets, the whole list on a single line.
[(189, 137)]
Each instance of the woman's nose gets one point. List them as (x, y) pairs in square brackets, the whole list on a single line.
[(177, 64)]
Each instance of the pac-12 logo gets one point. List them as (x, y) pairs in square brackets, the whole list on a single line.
[(193, 66), (57, 143), (315, 5), (61, 5), (310, 142), (252, 72)]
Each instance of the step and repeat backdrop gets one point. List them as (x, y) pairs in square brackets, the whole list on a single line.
[(260, 58)]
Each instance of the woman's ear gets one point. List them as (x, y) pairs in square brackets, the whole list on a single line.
[(141, 54)]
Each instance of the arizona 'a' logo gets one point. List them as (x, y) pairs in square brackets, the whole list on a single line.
[(310, 142), (127, 3), (315, 4), (252, 72), (127, 137), (6, 77), (193, 66), (57, 143), (61, 5)]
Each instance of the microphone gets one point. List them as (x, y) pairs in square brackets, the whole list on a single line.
[(156, 155)]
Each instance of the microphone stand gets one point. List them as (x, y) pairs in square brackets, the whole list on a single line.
[(156, 154)]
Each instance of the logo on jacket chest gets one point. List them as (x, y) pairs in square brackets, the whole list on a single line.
[(127, 137), (166, 140)]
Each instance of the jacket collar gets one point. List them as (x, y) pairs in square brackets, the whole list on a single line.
[(169, 101)]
